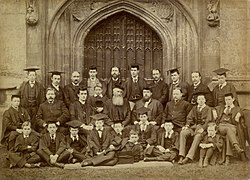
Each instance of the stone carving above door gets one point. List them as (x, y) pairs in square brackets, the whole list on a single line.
[(213, 18), (32, 13)]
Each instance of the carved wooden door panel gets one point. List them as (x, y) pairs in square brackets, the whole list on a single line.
[(120, 40)]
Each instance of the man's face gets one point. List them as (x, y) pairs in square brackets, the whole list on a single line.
[(156, 75), (117, 92), (229, 100), (143, 118), (133, 138), (177, 95), (168, 126), (175, 76), (146, 94), (26, 130), (118, 127), (52, 128), (201, 100), (221, 79), (75, 77), (92, 73), (83, 95), (98, 90), (15, 102), (55, 79), (99, 123), (50, 95), (196, 78), (134, 72), (115, 72), (31, 76), (211, 131), (73, 131)]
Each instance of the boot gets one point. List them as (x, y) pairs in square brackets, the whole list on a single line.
[(185, 161), (201, 162), (180, 160), (205, 164), (238, 149), (147, 159), (227, 161)]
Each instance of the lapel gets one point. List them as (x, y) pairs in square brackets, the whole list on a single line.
[(96, 137), (234, 111), (163, 138), (36, 88), (57, 140)]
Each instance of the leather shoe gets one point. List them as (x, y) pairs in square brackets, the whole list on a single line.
[(227, 162), (185, 161), (238, 149), (200, 162), (60, 165), (180, 160)]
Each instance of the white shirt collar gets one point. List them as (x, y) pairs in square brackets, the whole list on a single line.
[(147, 103), (75, 84), (197, 84), (73, 138), (25, 136), (133, 142), (82, 102), (212, 136), (95, 95), (53, 135), (223, 85), (201, 106), (115, 79), (135, 79), (232, 106), (169, 134), (176, 82), (56, 87), (99, 129)]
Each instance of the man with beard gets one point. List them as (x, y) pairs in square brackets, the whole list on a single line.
[(112, 82), (177, 110), (55, 83), (32, 94), (198, 86), (92, 81), (117, 108), (156, 108), (81, 110), (177, 83), (159, 87), (52, 110), (134, 85), (71, 89)]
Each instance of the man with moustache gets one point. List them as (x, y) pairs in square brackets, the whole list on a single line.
[(177, 110), (159, 87), (55, 83), (52, 110), (156, 108), (198, 86), (117, 108), (112, 82), (71, 89)]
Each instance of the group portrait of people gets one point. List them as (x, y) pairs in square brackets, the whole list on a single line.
[(98, 122)]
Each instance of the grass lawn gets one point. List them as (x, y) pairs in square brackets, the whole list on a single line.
[(236, 170)]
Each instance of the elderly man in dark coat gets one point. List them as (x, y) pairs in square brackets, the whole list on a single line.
[(117, 108), (52, 110), (12, 122)]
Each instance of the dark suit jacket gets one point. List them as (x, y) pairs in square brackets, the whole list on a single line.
[(128, 87), (234, 111), (185, 87), (70, 93), (23, 92), (80, 112), (155, 114), (57, 111), (21, 145), (108, 86), (13, 119), (45, 143), (94, 143), (92, 102), (201, 88), (59, 94), (82, 142), (217, 141), (173, 143), (160, 91)]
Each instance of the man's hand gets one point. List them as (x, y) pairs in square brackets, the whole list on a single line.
[(99, 153), (210, 145), (99, 109), (136, 122), (202, 145), (167, 150), (201, 130), (162, 149), (52, 159), (19, 130), (58, 123), (153, 122), (70, 150), (44, 124), (29, 147), (237, 117), (185, 127), (112, 147)]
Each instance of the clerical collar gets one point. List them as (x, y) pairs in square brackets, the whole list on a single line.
[(82, 102), (232, 106), (74, 137), (95, 95), (197, 84)]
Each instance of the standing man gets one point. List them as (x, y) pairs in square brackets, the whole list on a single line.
[(12, 122), (117, 108), (112, 82), (177, 83), (31, 93), (134, 86), (198, 86), (154, 106), (92, 81), (72, 89), (223, 88), (159, 87), (55, 83), (52, 110), (177, 110)]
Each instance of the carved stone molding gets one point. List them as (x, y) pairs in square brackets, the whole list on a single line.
[(213, 18), (32, 13)]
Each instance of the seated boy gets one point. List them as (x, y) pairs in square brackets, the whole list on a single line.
[(147, 132), (76, 143), (24, 152), (130, 148), (196, 126), (167, 145), (210, 144), (99, 149), (52, 147)]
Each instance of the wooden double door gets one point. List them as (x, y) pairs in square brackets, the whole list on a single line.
[(120, 40)]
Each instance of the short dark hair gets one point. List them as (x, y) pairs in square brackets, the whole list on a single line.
[(82, 89), (197, 72), (229, 94), (50, 89), (133, 132), (119, 69), (156, 69)]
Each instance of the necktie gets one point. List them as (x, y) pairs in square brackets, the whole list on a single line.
[(53, 137), (199, 108), (99, 133), (220, 86), (227, 110)]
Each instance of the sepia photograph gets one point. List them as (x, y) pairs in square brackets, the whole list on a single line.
[(125, 89)]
